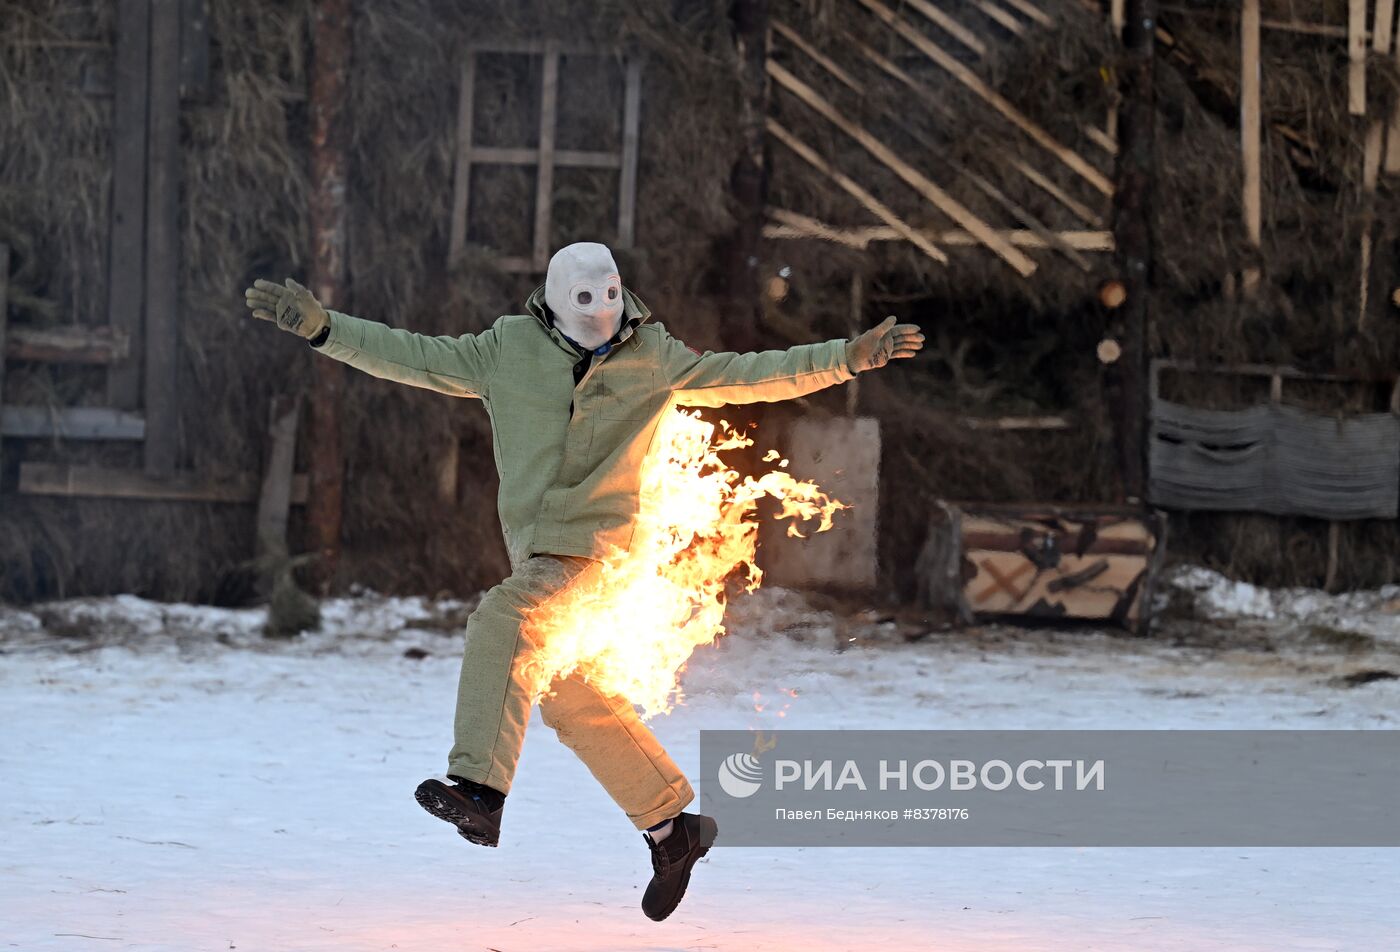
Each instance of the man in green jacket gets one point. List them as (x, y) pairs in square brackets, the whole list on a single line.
[(576, 389)]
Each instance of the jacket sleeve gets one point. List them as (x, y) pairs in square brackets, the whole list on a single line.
[(714, 379), (457, 366)]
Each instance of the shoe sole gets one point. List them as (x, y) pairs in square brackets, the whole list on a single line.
[(709, 831), (446, 809)]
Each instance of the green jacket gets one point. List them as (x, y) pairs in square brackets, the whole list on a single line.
[(570, 456)]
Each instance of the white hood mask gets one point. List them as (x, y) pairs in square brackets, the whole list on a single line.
[(584, 292)]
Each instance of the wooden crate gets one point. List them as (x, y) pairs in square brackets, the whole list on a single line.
[(1043, 562)]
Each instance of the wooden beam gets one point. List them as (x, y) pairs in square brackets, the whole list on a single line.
[(998, 102), (1032, 11), (1356, 57), (852, 188), (631, 143), (936, 196), (790, 225), (74, 344), (1100, 138), (978, 180), (60, 479), (1010, 423), (126, 243), (578, 158), (1250, 120), (162, 241), (949, 25), (544, 175), (1000, 16), (1384, 28), (462, 174), (74, 423), (929, 97), (1023, 215), (1083, 212), (826, 62)]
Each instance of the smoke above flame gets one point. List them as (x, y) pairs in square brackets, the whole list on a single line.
[(629, 624)]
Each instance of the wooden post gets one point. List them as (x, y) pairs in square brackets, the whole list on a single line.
[(631, 140), (4, 325), (1250, 138), (854, 330), (126, 245), (1370, 174), (1132, 232), (461, 192), (162, 241), (1334, 543), (275, 497), (544, 171), (330, 136), (1356, 57), (748, 177)]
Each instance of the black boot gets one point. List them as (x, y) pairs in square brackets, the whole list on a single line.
[(475, 809), (671, 860)]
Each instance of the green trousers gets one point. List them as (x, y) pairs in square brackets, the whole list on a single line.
[(493, 705)]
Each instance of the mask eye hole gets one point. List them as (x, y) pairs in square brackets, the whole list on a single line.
[(584, 298), (612, 294)]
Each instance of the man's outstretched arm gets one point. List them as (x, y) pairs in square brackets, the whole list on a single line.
[(714, 379), (458, 366)]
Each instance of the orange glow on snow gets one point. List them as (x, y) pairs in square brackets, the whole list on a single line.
[(629, 625)]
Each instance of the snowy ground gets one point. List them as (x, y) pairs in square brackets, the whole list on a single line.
[(170, 781)]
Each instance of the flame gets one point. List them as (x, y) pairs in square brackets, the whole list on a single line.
[(630, 623)]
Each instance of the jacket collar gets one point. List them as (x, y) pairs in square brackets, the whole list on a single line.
[(634, 312)]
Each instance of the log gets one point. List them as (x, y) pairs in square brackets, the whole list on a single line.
[(936, 196)]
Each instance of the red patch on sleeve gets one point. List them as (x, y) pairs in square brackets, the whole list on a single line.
[(693, 351)]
